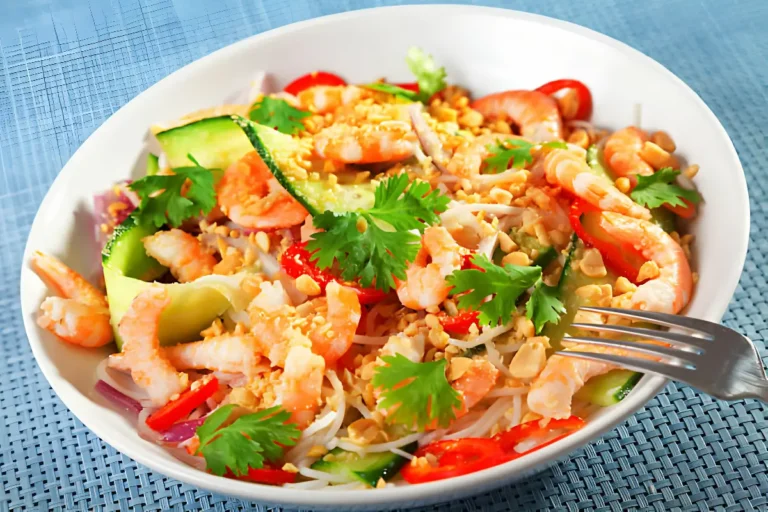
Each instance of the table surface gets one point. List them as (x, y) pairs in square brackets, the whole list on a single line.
[(67, 65)]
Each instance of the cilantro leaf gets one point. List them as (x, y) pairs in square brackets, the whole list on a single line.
[(392, 89), (247, 442), (431, 79), (418, 393), (659, 188), (503, 284), (544, 306), (519, 151), (278, 114), (376, 245), (164, 200)]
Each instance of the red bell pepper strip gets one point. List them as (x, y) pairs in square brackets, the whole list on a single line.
[(509, 440), (687, 212), (296, 261), (188, 401), (313, 79), (412, 86), (266, 475), (582, 91), (458, 324), (454, 458), (623, 259)]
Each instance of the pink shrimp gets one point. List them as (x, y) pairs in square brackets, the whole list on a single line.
[(622, 152), (81, 315), (366, 144), (333, 338), (187, 258), (534, 112), (323, 99), (250, 196), (468, 158), (300, 392)]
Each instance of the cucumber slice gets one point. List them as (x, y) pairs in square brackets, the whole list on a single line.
[(153, 164), (125, 252), (365, 468), (316, 196), (665, 219), (215, 143), (609, 388)]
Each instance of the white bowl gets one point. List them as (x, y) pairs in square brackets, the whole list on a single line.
[(483, 49)]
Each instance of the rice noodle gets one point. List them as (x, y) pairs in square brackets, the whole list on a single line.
[(493, 179), (517, 410), (428, 138), (489, 208), (358, 404), (488, 244), (501, 392), (320, 423), (432, 436), (341, 410), (370, 340), (321, 475), (404, 454), (495, 359), (482, 339), (483, 425), (380, 447)]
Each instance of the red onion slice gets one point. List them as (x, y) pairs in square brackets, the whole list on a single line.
[(182, 431), (428, 138), (117, 398)]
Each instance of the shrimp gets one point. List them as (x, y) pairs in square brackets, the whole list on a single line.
[(534, 112), (323, 99), (671, 290), (301, 387), (424, 284), (477, 381), (622, 152), (225, 353), (565, 168), (333, 339), (552, 391), (187, 258), (470, 155), (250, 196), (366, 144), (81, 315), (141, 347)]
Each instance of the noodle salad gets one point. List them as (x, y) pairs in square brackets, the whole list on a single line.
[(357, 286)]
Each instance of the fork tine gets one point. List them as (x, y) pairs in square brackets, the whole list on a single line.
[(673, 337), (639, 365), (684, 322), (634, 346)]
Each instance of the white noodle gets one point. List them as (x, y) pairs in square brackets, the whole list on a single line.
[(497, 393), (483, 425), (358, 404), (509, 349), (341, 403), (488, 244), (381, 447), (455, 208), (495, 359), (493, 179), (333, 443), (398, 451), (321, 475), (320, 423), (432, 436), (486, 336), (369, 340), (517, 410)]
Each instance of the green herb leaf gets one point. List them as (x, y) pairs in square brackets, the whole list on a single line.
[(429, 76), (658, 189), (392, 89), (504, 285), (544, 306), (278, 114), (247, 442), (416, 394), (382, 249), (161, 197), (518, 151)]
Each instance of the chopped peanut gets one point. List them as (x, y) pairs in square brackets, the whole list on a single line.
[(523, 328), (501, 196), (530, 359), (649, 270), (317, 450), (691, 171), (530, 416), (657, 157), (579, 137), (458, 367), (516, 258), (364, 431), (592, 264), (262, 241), (307, 285), (471, 118), (290, 468), (596, 295), (506, 243), (664, 141), (622, 184), (624, 285)]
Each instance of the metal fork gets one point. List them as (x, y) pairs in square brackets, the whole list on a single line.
[(710, 357)]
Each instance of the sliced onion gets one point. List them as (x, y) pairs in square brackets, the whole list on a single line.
[(428, 138), (484, 424), (117, 398), (380, 447), (182, 431)]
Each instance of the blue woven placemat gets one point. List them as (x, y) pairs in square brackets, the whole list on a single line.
[(66, 66)]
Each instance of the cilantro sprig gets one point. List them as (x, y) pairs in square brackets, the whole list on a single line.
[(503, 284), (163, 200), (375, 245), (518, 151), (417, 394), (545, 305), (429, 76), (278, 114), (659, 188), (247, 442)]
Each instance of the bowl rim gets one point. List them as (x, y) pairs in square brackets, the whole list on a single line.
[(434, 491)]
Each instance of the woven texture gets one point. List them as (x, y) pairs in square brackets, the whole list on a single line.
[(66, 67)]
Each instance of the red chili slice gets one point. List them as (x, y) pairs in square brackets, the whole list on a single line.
[(509, 440), (458, 324), (178, 409), (313, 79), (582, 91), (454, 458)]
